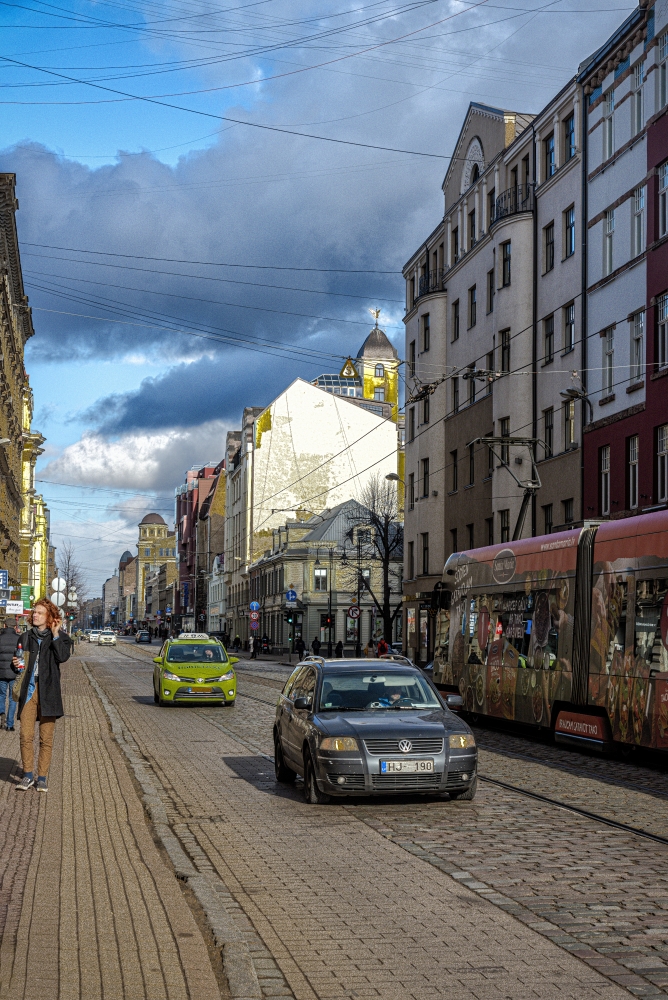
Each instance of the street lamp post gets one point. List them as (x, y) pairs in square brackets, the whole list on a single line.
[(329, 604)]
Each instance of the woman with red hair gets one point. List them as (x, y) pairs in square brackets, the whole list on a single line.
[(45, 647)]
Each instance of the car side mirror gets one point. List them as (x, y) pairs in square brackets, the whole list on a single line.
[(302, 702), (454, 702), (233, 659), (156, 659)]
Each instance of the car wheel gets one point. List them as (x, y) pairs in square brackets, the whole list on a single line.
[(468, 795), (284, 774), (312, 793)]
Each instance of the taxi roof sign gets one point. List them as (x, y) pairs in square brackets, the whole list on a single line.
[(192, 635), (349, 370)]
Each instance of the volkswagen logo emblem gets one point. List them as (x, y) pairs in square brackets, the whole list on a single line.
[(405, 746)]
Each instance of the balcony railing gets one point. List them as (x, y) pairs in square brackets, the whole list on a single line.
[(514, 200), (432, 281)]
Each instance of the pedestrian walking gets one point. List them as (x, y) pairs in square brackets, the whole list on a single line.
[(236, 643), (382, 648), (338, 651), (300, 646), (8, 641), (256, 645), (315, 646), (45, 646)]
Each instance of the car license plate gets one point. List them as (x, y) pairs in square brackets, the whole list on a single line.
[(406, 766), (204, 690)]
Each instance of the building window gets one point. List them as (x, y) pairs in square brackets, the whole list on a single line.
[(379, 394), (471, 382), (411, 424), (663, 199), (425, 553), (569, 231), (411, 359), (569, 138), (504, 521), (491, 206), (637, 111), (490, 458), (411, 491), (455, 245), (425, 477), (489, 521), (320, 578), (604, 478), (633, 472), (638, 230), (147, 553), (569, 327), (455, 320), (549, 246), (505, 350), (453, 539), (472, 228), (505, 432), (455, 394), (547, 519), (548, 330), (609, 232), (568, 511), (491, 289), (609, 361), (608, 114), (569, 424), (472, 306), (637, 342), (663, 69), (490, 369), (505, 264), (426, 332), (455, 473), (380, 371), (411, 561), (471, 534), (550, 159), (548, 424), (662, 464), (662, 330)]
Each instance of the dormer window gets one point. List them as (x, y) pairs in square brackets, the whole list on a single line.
[(380, 371)]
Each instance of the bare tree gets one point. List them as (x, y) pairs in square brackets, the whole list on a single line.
[(379, 514), (70, 569)]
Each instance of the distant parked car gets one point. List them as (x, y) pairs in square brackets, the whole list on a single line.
[(143, 636), (94, 635)]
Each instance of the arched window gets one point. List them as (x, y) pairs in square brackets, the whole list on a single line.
[(475, 173), (380, 371)]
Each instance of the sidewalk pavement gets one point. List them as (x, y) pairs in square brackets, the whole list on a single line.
[(89, 908)]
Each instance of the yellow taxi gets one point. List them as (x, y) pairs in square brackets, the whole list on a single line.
[(194, 668)]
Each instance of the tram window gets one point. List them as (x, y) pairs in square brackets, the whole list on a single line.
[(616, 627), (650, 597)]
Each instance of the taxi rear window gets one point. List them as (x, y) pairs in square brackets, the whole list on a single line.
[(196, 652)]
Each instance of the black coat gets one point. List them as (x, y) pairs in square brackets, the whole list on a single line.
[(8, 642), (53, 652)]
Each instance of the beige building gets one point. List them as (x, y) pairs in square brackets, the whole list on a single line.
[(156, 545), (493, 321)]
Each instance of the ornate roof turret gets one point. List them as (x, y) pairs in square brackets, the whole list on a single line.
[(377, 345)]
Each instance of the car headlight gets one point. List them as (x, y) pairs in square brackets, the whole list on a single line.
[(226, 677), (338, 743), (458, 741), (170, 677)]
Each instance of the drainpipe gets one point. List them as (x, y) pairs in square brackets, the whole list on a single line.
[(534, 346), (583, 305)]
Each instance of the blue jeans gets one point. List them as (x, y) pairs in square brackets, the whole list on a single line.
[(5, 691)]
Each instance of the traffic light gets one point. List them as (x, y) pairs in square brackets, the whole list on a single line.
[(329, 621), (289, 618)]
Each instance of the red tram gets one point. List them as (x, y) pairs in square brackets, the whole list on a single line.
[(566, 631)]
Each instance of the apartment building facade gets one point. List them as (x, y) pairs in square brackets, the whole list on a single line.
[(492, 332), (626, 444)]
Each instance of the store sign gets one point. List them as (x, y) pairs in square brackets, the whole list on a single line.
[(14, 607), (503, 567), (589, 727)]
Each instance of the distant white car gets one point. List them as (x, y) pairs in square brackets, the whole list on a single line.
[(94, 635), (106, 638)]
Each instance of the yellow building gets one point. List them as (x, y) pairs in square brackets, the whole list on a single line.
[(34, 526), (156, 546)]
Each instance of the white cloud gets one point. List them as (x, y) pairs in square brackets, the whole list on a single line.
[(141, 461)]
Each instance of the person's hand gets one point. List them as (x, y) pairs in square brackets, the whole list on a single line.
[(56, 627), (17, 663)]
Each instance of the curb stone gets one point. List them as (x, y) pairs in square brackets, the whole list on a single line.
[(233, 933)]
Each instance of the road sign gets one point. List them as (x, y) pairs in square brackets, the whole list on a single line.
[(254, 606), (255, 616), (4, 579), (168, 610), (353, 611), (58, 583), (58, 598), (291, 595), (255, 625), (14, 607)]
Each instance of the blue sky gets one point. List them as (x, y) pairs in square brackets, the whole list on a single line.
[(181, 266)]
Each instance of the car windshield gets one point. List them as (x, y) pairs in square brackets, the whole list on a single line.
[(366, 691), (196, 652)]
